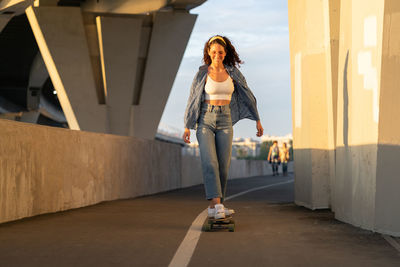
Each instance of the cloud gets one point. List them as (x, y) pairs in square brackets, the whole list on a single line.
[(259, 32), (245, 22)]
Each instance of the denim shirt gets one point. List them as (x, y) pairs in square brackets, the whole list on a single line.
[(243, 103)]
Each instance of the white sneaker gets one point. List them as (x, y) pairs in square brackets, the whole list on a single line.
[(219, 211), (228, 212)]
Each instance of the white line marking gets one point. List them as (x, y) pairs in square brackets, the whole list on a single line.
[(392, 242), (185, 251)]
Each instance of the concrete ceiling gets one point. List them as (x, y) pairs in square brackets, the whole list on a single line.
[(137, 6)]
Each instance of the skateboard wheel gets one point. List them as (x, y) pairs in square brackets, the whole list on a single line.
[(231, 228)]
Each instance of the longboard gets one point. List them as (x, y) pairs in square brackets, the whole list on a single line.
[(211, 223)]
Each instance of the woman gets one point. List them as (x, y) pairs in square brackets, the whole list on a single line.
[(219, 97), (284, 155), (273, 157)]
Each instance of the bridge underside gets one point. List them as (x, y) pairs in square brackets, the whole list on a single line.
[(102, 66)]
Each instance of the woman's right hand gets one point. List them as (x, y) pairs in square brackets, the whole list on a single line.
[(186, 136)]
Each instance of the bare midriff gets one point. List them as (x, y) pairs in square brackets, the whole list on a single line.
[(217, 102)]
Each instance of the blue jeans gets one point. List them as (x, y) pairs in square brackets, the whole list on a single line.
[(275, 165), (214, 134), (284, 167)]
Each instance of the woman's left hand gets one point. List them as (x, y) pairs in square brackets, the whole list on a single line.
[(260, 130)]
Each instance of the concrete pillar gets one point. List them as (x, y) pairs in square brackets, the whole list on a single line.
[(119, 49), (124, 6), (387, 199), (312, 100), (361, 109), (30, 116), (360, 54), (4, 19), (11, 8), (334, 19), (139, 55), (61, 38), (169, 37), (38, 73)]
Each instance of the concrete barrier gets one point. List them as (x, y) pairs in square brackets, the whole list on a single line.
[(45, 169), (192, 172), (344, 73)]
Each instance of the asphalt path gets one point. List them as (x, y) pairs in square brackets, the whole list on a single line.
[(147, 231)]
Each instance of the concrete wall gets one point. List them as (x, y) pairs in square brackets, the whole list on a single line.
[(45, 169), (192, 172), (311, 72), (360, 50), (387, 216), (368, 131), (364, 103)]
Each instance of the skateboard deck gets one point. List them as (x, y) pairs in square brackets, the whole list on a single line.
[(213, 224)]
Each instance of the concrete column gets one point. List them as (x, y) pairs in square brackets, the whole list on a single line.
[(347, 92), (360, 54), (30, 116), (119, 48), (92, 37), (60, 34), (169, 37), (312, 100), (4, 19), (334, 19), (11, 8), (124, 6), (38, 74), (139, 55), (387, 199)]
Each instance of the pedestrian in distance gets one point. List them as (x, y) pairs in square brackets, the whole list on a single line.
[(284, 157), (273, 157), (219, 97)]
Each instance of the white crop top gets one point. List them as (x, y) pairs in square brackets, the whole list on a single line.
[(219, 90)]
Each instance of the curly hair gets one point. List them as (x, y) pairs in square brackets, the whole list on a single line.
[(231, 58)]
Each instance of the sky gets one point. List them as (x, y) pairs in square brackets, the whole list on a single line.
[(259, 31)]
